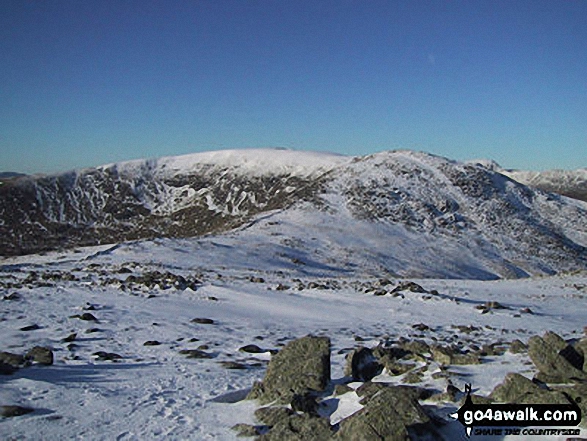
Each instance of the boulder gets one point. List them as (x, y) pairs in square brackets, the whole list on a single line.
[(362, 365), (513, 387), (299, 427), (391, 414), (555, 360), (41, 355), (13, 411), (14, 360), (517, 347), (302, 366)]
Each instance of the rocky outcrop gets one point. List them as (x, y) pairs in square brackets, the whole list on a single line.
[(557, 361), (302, 366)]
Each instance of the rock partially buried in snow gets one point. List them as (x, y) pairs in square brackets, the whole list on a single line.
[(40, 355), (14, 411), (302, 366)]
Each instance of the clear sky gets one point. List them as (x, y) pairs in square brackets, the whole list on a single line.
[(85, 83)]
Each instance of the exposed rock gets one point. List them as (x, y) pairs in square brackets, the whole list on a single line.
[(245, 430), (69, 338), (107, 356), (341, 389), (14, 360), (86, 316), (298, 427), (203, 321), (233, 365), (409, 286), (362, 365), (554, 360), (7, 369), (273, 415), (41, 355), (151, 343), (513, 387), (305, 403), (303, 365), (195, 353), (30, 328), (391, 414), (252, 349), (12, 296), (517, 347), (13, 411), (446, 356)]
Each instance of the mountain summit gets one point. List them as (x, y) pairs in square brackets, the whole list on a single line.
[(399, 212)]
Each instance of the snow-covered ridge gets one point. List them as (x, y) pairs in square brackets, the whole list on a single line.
[(257, 162), (400, 212), (570, 183)]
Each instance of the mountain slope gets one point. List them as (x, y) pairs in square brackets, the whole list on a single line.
[(570, 183), (401, 212)]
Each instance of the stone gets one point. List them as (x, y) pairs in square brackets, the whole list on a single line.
[(245, 430), (69, 338), (151, 343), (14, 411), (341, 389), (203, 321), (233, 365), (107, 356), (555, 360), (30, 328), (513, 387), (299, 427), (362, 365), (195, 353), (305, 403), (301, 366), (273, 415), (251, 349), (391, 414), (409, 286), (14, 360), (517, 347), (7, 369), (41, 355)]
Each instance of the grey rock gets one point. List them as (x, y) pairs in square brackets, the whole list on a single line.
[(41, 355), (245, 430), (251, 349), (299, 427), (14, 360), (195, 353), (203, 321), (303, 365), (107, 356), (273, 415), (30, 328), (565, 364), (362, 365), (391, 414), (517, 347), (513, 387), (13, 411)]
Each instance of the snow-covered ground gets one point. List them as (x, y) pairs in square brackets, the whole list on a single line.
[(155, 392)]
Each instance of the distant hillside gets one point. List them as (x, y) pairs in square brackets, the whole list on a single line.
[(10, 175), (398, 212)]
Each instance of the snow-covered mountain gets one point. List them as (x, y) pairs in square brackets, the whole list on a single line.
[(570, 183), (398, 212)]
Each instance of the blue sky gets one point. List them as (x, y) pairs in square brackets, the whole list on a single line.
[(85, 83)]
